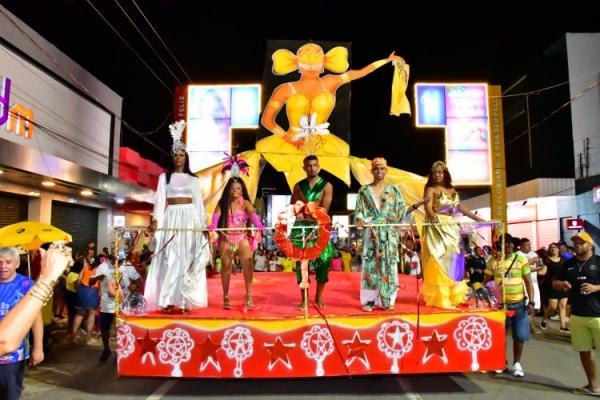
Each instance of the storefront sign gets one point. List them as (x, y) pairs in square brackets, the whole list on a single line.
[(18, 118), (574, 224), (41, 112)]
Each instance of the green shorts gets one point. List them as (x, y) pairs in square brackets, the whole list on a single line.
[(321, 264), (585, 332)]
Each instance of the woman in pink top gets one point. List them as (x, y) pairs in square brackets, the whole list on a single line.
[(235, 210)]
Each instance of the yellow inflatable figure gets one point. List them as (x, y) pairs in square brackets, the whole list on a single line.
[(309, 103)]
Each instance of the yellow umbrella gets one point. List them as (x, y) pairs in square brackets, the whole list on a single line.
[(29, 235)]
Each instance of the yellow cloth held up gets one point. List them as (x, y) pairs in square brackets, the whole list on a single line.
[(213, 181), (400, 103)]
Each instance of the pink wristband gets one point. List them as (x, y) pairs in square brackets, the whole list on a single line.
[(256, 221), (215, 221)]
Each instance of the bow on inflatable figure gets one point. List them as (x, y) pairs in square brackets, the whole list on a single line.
[(320, 234), (310, 127)]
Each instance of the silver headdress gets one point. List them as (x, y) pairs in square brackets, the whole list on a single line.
[(176, 129)]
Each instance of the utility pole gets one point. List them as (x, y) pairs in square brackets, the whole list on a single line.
[(587, 157)]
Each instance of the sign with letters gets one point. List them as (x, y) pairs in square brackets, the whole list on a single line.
[(17, 118), (40, 111)]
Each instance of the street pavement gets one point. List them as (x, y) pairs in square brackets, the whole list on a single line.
[(73, 372)]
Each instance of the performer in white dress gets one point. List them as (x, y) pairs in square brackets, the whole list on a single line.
[(177, 276)]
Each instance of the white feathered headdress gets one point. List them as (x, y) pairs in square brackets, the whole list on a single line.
[(176, 129)]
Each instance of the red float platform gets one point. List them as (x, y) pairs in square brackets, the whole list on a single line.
[(274, 340)]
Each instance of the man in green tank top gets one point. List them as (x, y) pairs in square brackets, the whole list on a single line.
[(316, 189)]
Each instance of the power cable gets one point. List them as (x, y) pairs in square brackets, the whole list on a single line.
[(148, 42), (130, 47), (550, 115), (162, 41), (75, 80)]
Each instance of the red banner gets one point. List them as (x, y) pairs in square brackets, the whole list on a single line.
[(180, 106), (401, 344)]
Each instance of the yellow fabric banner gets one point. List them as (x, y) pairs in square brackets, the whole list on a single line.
[(400, 103)]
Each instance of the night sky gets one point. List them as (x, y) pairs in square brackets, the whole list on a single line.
[(225, 41)]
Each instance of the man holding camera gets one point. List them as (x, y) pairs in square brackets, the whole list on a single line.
[(13, 288)]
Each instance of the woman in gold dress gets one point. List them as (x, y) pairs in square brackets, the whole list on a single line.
[(442, 257), (309, 103)]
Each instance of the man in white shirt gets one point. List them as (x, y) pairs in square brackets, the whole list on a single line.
[(108, 291), (415, 264), (273, 263), (535, 264), (259, 261), (128, 274)]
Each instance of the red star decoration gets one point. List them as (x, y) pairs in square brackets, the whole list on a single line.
[(147, 343), (356, 348), (208, 349), (435, 345), (278, 351)]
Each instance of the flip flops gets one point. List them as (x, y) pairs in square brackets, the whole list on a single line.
[(585, 390)]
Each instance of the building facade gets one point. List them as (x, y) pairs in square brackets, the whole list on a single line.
[(60, 134), (552, 142)]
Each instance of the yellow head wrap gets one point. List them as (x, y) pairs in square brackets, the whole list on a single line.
[(310, 56), (378, 161)]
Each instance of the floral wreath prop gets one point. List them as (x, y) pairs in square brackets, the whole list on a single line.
[(284, 242)]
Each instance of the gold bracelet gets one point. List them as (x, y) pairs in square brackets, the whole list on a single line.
[(379, 63), (345, 77), (40, 298), (41, 291), (49, 286)]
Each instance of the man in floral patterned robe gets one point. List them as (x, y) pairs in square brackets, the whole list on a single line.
[(379, 203)]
